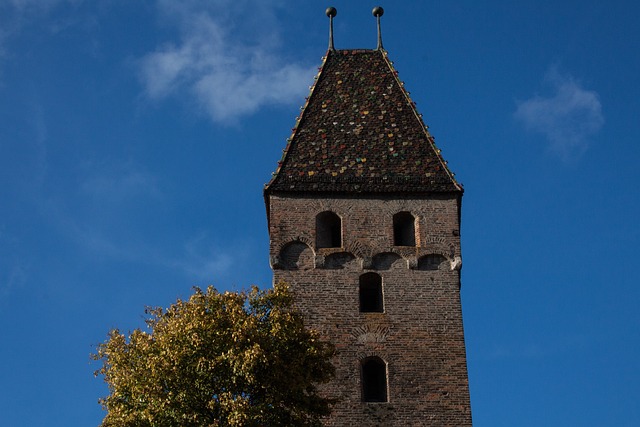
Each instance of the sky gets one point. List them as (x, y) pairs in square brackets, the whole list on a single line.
[(136, 137)]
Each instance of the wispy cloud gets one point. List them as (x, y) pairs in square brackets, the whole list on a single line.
[(552, 345), (13, 269), (204, 260), (119, 182), (35, 4), (15, 277), (16, 14), (229, 70), (198, 257), (567, 117)]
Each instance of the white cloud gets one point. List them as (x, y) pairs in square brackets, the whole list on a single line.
[(567, 117), (231, 70)]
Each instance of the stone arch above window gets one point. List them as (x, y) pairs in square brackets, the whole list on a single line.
[(386, 261), (373, 373), (404, 229), (339, 260), (431, 262), (328, 230), (370, 291), (296, 256)]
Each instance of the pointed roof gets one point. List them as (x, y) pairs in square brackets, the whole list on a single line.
[(360, 132)]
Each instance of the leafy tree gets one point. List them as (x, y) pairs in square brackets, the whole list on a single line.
[(218, 359)]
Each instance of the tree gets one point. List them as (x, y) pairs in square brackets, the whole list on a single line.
[(218, 359)]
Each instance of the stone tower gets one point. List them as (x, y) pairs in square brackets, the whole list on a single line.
[(364, 225)]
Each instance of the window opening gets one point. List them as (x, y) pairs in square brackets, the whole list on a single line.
[(296, 255), (404, 229), (328, 230), (374, 380), (371, 293), (431, 262)]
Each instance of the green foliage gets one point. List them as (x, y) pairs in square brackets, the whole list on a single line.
[(218, 359)]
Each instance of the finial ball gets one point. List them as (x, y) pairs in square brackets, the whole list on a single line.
[(378, 11), (331, 12)]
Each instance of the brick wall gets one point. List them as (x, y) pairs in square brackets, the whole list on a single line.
[(419, 335)]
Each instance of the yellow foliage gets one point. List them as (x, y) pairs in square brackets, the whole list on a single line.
[(218, 359)]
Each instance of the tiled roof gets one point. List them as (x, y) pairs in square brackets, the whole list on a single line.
[(360, 132)]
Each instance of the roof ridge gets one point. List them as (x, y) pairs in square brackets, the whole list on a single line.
[(299, 118), (425, 128)]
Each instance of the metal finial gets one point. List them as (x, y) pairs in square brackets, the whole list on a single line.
[(378, 12), (331, 12)]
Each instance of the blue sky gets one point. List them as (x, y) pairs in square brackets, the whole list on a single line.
[(135, 138)]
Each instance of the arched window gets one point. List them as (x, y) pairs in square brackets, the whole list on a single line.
[(328, 230), (374, 379), (371, 293), (431, 262), (339, 260), (296, 255), (404, 229), (386, 261)]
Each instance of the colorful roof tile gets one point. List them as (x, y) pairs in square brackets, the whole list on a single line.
[(360, 132)]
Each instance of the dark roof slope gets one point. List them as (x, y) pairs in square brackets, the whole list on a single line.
[(359, 132)]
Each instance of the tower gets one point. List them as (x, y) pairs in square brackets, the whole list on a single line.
[(364, 225)]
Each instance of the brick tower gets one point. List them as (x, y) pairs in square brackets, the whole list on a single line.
[(364, 225)]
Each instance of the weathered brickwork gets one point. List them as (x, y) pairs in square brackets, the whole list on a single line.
[(419, 334)]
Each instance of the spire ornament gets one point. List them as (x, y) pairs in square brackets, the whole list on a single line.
[(331, 12), (378, 12)]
